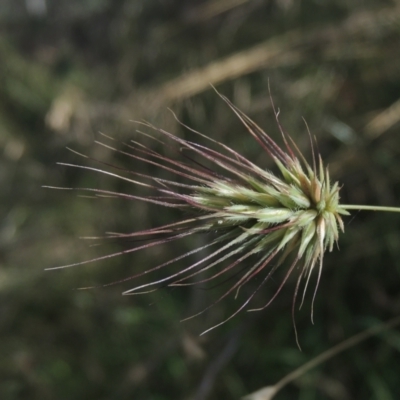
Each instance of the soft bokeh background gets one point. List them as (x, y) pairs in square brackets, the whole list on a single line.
[(72, 68)]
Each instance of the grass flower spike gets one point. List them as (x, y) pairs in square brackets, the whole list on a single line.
[(252, 214)]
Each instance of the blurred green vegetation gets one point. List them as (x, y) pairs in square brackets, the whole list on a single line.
[(70, 69)]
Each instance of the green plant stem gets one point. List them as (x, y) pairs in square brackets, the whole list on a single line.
[(370, 208)]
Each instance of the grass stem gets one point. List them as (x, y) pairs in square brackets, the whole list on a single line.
[(369, 208)]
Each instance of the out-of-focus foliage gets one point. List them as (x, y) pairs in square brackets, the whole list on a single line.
[(69, 69)]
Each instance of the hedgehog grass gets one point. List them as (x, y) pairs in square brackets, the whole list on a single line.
[(291, 219)]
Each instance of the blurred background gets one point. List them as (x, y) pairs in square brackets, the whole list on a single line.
[(70, 69)]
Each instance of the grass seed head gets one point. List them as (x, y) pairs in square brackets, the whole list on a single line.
[(291, 218)]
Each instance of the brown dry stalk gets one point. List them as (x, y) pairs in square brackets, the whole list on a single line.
[(269, 392), (383, 121), (287, 49)]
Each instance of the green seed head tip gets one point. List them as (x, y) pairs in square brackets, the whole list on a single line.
[(301, 207)]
